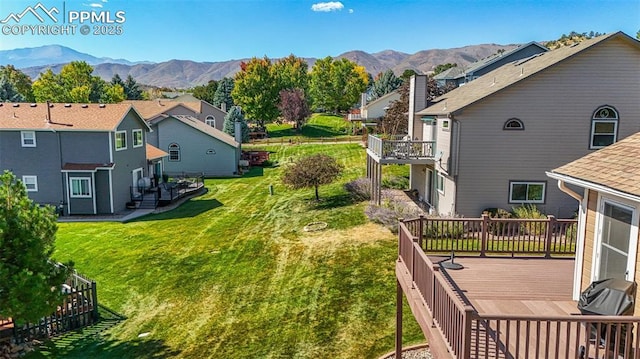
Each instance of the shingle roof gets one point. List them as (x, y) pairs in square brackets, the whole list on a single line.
[(482, 63), (86, 167), (151, 108), (616, 166), (64, 117), (508, 75), (202, 127), (153, 152), (449, 74)]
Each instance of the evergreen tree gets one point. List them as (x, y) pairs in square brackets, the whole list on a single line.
[(29, 280), (223, 93), (8, 92), (235, 115), (386, 82), (131, 89)]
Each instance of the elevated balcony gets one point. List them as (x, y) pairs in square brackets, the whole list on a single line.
[(513, 296), (397, 150)]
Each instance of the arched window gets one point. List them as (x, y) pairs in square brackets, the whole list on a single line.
[(604, 127), (174, 152), (513, 124), (210, 120)]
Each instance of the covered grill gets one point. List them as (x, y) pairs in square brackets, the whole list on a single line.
[(608, 297)]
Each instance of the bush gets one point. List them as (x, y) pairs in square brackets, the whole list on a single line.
[(389, 211), (448, 229), (359, 189), (530, 211), (395, 182)]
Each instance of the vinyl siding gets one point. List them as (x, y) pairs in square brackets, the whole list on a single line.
[(417, 102), (207, 110), (42, 161), (194, 145), (126, 162), (556, 107)]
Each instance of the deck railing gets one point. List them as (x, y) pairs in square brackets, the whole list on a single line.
[(469, 334), (484, 236), (395, 147)]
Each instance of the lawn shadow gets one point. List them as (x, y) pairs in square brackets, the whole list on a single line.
[(93, 342), (340, 200), (283, 132), (320, 131), (190, 208)]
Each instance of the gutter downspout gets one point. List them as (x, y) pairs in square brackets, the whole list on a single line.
[(563, 187)]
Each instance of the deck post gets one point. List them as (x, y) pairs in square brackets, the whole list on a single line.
[(549, 235), (379, 181), (485, 229), (420, 230), (466, 339), (398, 319), (94, 298)]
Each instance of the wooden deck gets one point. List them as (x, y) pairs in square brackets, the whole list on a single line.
[(515, 285), (518, 306)]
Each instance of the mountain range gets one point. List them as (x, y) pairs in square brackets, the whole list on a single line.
[(182, 74)]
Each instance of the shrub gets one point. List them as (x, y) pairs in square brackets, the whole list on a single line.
[(359, 189), (530, 211), (389, 211), (445, 229), (497, 213), (395, 182)]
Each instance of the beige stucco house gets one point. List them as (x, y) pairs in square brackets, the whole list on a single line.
[(489, 143), (609, 207)]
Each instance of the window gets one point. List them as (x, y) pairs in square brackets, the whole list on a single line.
[(527, 192), (211, 121), (440, 183), (121, 140), (80, 187), (604, 127), (513, 124), (30, 183), (137, 138), (28, 138), (445, 125), (174, 152)]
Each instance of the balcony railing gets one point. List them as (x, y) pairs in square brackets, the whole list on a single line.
[(469, 334), (396, 148)]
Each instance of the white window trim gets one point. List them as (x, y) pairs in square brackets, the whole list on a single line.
[(439, 178), (133, 135), (544, 192), (35, 183), (22, 138), (71, 179), (593, 128), (597, 241), (116, 140), (178, 150), (446, 125), (210, 120)]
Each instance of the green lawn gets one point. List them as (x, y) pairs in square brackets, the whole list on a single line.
[(318, 126), (232, 274)]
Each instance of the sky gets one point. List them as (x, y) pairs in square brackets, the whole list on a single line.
[(220, 30)]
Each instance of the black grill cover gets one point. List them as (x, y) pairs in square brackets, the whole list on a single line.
[(608, 297)]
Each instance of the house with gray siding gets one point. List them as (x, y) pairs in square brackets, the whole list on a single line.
[(456, 76), (488, 144), (194, 147), (85, 157), (202, 110)]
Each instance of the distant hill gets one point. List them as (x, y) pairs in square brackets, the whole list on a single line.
[(186, 74), (51, 55)]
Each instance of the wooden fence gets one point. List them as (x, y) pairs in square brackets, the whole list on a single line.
[(79, 309)]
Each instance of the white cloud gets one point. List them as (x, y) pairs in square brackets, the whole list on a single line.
[(327, 6), (93, 4), (350, 11), (105, 0)]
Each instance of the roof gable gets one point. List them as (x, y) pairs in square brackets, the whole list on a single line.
[(202, 127), (512, 73)]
